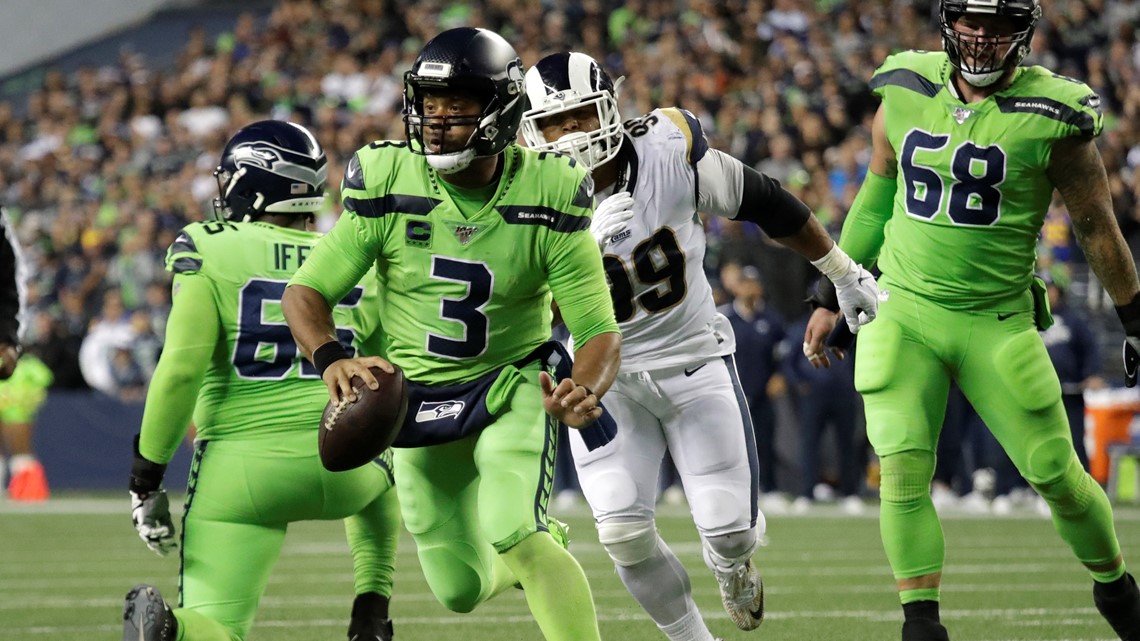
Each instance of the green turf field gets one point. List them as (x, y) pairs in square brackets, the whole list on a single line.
[(65, 566)]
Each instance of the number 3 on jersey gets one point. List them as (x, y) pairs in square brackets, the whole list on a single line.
[(977, 172), (467, 311)]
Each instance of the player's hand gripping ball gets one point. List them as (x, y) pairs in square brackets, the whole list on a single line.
[(353, 433)]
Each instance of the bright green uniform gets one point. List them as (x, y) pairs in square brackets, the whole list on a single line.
[(24, 392), (468, 278), (231, 360), (957, 262)]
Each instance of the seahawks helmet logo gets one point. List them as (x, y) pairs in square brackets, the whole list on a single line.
[(280, 161)]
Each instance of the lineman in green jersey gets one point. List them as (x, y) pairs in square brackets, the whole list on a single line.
[(968, 147), (472, 236), (230, 361)]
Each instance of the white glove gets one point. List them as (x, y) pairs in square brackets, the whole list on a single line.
[(610, 216), (855, 287), (150, 513)]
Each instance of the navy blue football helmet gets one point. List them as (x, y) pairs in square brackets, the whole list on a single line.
[(270, 167), (976, 58), (474, 61)]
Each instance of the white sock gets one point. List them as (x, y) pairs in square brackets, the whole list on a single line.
[(19, 462), (691, 627)]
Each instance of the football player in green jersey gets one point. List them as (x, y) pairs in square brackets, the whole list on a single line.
[(472, 236), (230, 363), (968, 147)]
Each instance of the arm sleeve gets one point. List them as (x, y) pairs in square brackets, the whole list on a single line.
[(731, 189), (340, 259), (11, 287), (863, 233), (578, 282), (192, 333)]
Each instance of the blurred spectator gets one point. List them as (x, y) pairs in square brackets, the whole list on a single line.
[(759, 332), (825, 398)]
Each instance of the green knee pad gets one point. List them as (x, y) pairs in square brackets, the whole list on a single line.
[(905, 477), (877, 355), (1057, 475), (1023, 364)]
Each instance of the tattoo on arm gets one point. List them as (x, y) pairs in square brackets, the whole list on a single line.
[(1077, 171)]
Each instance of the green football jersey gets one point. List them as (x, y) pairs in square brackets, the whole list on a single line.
[(464, 294), (257, 382), (972, 189)]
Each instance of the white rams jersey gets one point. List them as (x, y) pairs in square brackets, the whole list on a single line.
[(655, 266)]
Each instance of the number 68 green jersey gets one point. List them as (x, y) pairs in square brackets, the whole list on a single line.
[(466, 289), (257, 382), (972, 189)]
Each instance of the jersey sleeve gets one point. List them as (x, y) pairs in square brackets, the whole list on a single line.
[(578, 282), (183, 257), (192, 332), (696, 145)]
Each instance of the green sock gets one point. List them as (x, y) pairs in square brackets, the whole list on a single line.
[(918, 594), (1082, 516), (908, 523), (199, 627), (556, 589), (372, 534)]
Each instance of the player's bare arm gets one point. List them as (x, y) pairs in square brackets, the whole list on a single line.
[(574, 400), (310, 320), (1077, 171)]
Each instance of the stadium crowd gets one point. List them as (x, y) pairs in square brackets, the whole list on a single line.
[(102, 167)]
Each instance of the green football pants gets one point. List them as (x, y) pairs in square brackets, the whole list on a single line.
[(904, 364), (241, 498), (466, 501)]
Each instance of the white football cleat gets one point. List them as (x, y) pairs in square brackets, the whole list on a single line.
[(742, 593)]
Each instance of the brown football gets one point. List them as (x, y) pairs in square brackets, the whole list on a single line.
[(352, 434)]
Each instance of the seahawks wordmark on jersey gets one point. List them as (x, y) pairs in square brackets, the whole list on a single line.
[(257, 366)]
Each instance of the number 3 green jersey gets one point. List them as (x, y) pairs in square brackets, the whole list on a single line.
[(972, 188), (466, 286), (257, 382)]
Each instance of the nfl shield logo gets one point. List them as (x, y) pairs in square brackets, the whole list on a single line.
[(961, 114), (465, 232)]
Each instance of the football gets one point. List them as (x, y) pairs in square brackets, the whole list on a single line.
[(354, 433)]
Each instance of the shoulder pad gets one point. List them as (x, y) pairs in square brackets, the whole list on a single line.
[(917, 71)]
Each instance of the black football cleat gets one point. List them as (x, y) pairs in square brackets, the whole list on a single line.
[(370, 629), (370, 620), (920, 629), (146, 617), (1119, 603)]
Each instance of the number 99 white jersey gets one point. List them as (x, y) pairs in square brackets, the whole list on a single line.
[(655, 266)]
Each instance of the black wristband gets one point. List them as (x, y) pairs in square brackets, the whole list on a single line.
[(589, 392), (328, 354), (823, 295), (146, 476)]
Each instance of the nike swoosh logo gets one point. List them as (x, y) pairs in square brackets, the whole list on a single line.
[(690, 372), (1002, 317)]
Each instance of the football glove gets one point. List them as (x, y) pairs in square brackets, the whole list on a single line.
[(1130, 317), (610, 216), (855, 287), (150, 513), (150, 508)]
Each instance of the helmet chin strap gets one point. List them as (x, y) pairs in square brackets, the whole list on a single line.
[(451, 163)]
